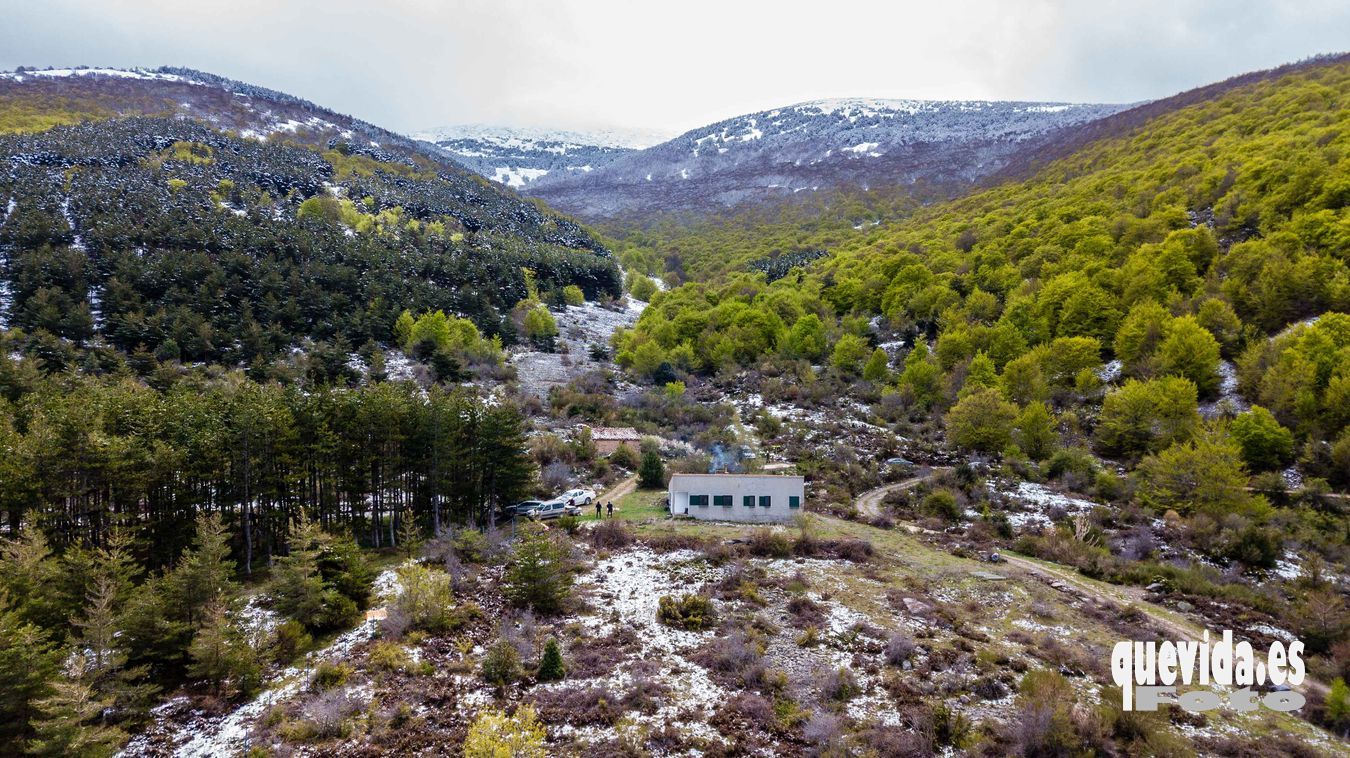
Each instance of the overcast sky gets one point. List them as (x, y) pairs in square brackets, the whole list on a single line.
[(672, 66)]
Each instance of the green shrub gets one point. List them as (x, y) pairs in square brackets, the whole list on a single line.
[(501, 665), (692, 613), (941, 504), (328, 675), (551, 666)]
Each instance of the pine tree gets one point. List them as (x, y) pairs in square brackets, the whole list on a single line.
[(203, 576), (221, 655), (409, 536), (28, 661), (297, 586), (538, 576), (105, 667), (551, 666), (69, 723)]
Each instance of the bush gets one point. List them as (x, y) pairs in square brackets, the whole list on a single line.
[(427, 602), (692, 613), (328, 675), (551, 666), (569, 523), (941, 504), (610, 534), (769, 543), (625, 458), (839, 685), (501, 664), (899, 648), (495, 735), (395, 658), (290, 641)]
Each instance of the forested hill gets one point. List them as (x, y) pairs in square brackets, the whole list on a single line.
[(1207, 234), (136, 232)]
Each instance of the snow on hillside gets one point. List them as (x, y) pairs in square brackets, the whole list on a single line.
[(57, 73), (519, 156), (857, 142)]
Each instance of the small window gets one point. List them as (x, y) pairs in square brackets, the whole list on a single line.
[(765, 501), (748, 501), (794, 501), (698, 500), (722, 500)]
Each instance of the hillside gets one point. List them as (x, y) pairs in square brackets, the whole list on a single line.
[(938, 146), (123, 230), (515, 157)]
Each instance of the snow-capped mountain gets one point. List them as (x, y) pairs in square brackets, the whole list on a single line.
[(814, 145), (517, 156)]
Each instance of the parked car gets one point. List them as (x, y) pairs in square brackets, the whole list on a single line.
[(579, 496), (519, 509), (552, 509)]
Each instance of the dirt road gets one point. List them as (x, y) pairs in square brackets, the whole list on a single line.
[(869, 502)]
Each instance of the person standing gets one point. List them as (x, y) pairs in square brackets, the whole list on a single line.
[(597, 510), (610, 507)]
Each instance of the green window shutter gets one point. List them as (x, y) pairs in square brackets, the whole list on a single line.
[(698, 500), (722, 500), (794, 501), (765, 501), (748, 501)]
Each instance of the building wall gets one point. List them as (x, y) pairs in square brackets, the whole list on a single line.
[(607, 447), (685, 489)]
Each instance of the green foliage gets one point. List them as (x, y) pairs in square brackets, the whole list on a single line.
[(223, 656), (1204, 474), (572, 295), (641, 286), (72, 724), (1265, 444), (652, 472), (1338, 704), (692, 613), (848, 354), (941, 504), (539, 573), (501, 664), (1145, 416), (878, 367), (1034, 431), (540, 326), (301, 592), (427, 600), (981, 421), (495, 735), (551, 666), (28, 662), (1190, 351)]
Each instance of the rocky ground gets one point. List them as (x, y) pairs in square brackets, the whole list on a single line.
[(579, 328), (849, 646)]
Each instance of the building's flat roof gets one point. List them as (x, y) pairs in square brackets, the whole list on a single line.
[(742, 476)]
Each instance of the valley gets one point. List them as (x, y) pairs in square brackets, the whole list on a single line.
[(274, 380)]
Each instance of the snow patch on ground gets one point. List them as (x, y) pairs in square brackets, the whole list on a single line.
[(1040, 500)]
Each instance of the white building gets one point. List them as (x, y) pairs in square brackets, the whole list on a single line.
[(736, 497)]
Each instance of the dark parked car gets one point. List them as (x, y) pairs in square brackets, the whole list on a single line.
[(519, 509)]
